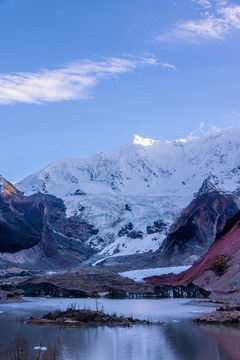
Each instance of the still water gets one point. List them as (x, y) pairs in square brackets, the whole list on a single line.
[(178, 339)]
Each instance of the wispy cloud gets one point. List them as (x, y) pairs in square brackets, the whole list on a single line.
[(206, 4), (167, 66), (216, 23), (201, 126), (74, 81), (203, 129), (214, 128), (236, 113)]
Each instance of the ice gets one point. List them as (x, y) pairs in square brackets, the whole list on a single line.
[(139, 275)]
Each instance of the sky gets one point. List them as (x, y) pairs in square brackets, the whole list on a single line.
[(79, 77)]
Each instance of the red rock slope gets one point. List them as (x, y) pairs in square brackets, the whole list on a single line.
[(218, 270)]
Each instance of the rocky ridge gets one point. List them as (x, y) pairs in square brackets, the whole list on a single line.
[(199, 223)]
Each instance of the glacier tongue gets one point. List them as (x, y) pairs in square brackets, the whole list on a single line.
[(139, 275), (139, 183)]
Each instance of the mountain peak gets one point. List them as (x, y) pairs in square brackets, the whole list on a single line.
[(6, 188), (138, 140), (208, 185)]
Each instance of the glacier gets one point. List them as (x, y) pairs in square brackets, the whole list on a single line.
[(137, 185)]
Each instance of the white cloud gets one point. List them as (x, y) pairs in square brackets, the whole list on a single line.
[(168, 66), (204, 3), (231, 16), (214, 128), (74, 81), (203, 129), (191, 136), (209, 27), (214, 24), (201, 126)]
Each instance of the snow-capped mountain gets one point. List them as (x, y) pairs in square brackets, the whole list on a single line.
[(6, 188), (134, 193), (145, 166)]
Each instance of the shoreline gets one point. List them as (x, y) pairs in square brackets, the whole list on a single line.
[(4, 301)]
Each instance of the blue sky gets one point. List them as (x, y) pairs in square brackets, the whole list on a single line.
[(79, 77)]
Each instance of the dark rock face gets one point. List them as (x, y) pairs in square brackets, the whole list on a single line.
[(128, 208), (194, 232), (78, 192), (21, 222), (158, 226), (135, 234), (125, 230), (39, 221), (181, 291), (48, 289), (128, 230)]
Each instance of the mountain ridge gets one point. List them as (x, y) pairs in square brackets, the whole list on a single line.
[(146, 161), (142, 182)]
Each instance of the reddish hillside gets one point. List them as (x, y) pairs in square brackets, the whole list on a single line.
[(218, 270)]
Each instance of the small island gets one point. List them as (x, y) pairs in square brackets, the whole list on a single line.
[(85, 318)]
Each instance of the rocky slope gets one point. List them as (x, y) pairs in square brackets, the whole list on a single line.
[(82, 281), (195, 230), (136, 192), (35, 232), (218, 269), (192, 233)]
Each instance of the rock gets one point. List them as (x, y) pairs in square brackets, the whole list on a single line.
[(81, 282), (128, 208), (125, 229), (48, 289), (36, 234), (181, 291), (218, 270), (198, 225), (135, 234), (220, 317), (157, 227)]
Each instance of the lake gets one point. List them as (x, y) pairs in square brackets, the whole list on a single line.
[(178, 339)]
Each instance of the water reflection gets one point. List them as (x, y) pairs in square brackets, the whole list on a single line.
[(179, 339), (227, 338)]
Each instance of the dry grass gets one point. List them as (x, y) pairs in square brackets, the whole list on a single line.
[(19, 350)]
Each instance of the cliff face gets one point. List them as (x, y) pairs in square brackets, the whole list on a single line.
[(195, 230), (21, 220), (35, 232)]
